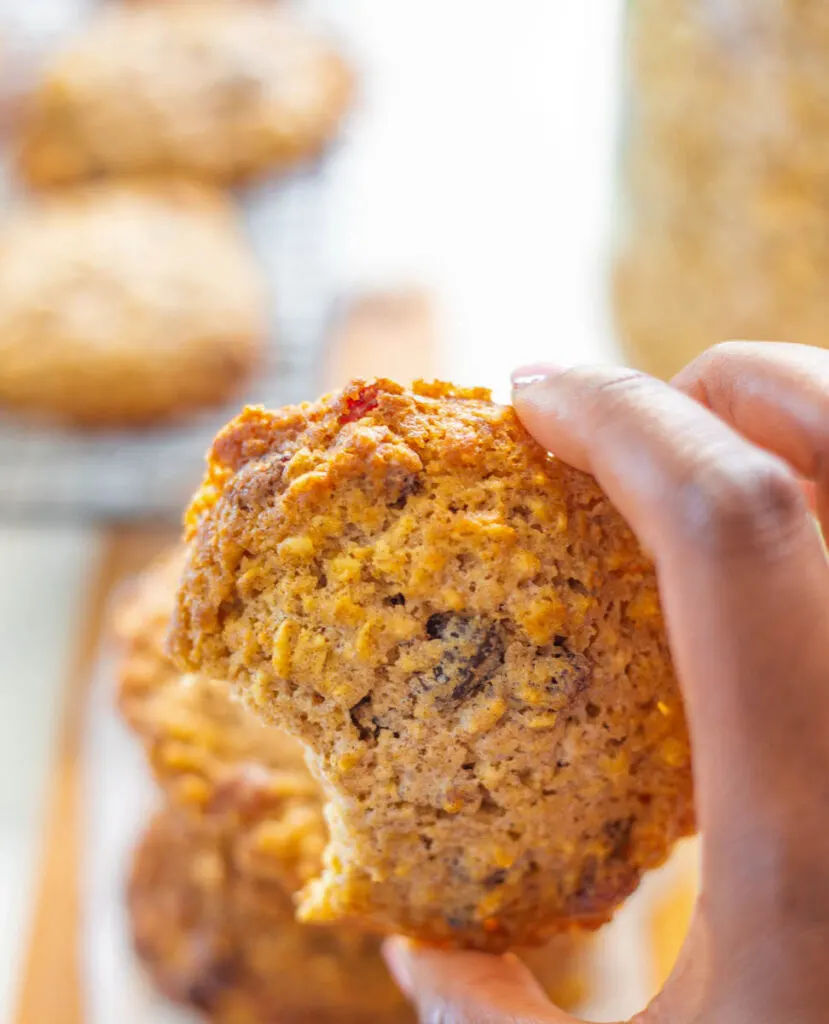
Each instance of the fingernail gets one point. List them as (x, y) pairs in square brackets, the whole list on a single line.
[(525, 376), (396, 955)]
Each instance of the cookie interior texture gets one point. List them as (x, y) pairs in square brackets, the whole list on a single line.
[(127, 304), (221, 92), (213, 881), (211, 887), (467, 637)]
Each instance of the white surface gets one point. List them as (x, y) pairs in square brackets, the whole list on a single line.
[(42, 590), (119, 802), (482, 165)]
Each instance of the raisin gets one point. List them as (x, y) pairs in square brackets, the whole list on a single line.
[(411, 485), (473, 653), (587, 880), (363, 720), (436, 624), (368, 725), (395, 600), (496, 878), (570, 677), (617, 833), (215, 978), (592, 899)]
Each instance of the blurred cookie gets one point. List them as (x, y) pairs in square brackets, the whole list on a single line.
[(227, 944), (126, 305), (208, 752), (222, 92), (468, 638), (141, 620)]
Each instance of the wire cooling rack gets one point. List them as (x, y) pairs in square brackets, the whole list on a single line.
[(57, 474), (54, 473)]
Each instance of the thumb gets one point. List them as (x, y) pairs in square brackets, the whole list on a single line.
[(462, 987)]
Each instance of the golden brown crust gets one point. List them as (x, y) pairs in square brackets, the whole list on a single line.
[(126, 305), (214, 760), (467, 637), (227, 944), (220, 92), (140, 622)]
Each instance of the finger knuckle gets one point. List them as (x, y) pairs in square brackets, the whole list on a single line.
[(726, 350), (620, 383), (614, 391), (750, 505), (713, 360)]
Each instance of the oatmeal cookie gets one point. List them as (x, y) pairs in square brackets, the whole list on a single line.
[(126, 305), (241, 790), (211, 756), (140, 622), (467, 637), (226, 943), (221, 92)]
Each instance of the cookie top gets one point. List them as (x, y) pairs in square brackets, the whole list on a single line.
[(126, 304), (468, 638), (227, 944), (221, 92)]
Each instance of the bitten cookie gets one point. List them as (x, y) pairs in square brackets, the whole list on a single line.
[(126, 305), (468, 638), (222, 92), (211, 898)]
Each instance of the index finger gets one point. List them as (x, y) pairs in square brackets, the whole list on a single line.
[(745, 589)]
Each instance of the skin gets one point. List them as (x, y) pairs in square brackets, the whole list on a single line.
[(717, 473)]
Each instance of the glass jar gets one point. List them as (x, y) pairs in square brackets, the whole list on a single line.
[(724, 212)]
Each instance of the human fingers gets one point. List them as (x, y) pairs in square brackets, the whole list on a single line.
[(745, 588), (462, 987), (776, 395)]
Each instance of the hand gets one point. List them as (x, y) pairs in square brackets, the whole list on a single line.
[(714, 474)]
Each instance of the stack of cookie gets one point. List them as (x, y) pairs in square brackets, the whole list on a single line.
[(128, 294), (211, 893)]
